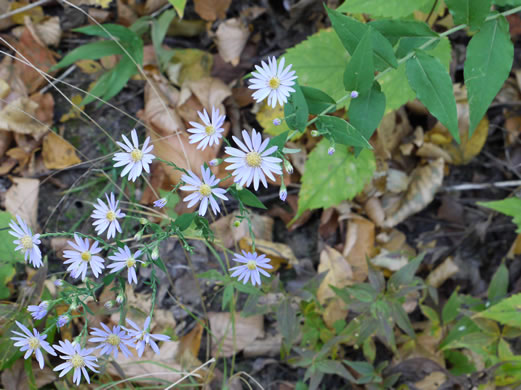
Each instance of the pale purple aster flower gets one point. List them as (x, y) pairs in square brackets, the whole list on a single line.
[(58, 282), (135, 159), (160, 203), (76, 358), (252, 267), (142, 337), (204, 191), (107, 216), (26, 242), (252, 162), (31, 343), (111, 341), (124, 258), (354, 94), (38, 311), (210, 132), (83, 256), (331, 151), (277, 122), (273, 82), (62, 320)]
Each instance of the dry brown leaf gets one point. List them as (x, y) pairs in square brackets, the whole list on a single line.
[(359, 245), (442, 272), (515, 249), (339, 273), (189, 346), (425, 181), (374, 210), (225, 229), (211, 92), (58, 245), (22, 199), (231, 37), (47, 33), (58, 153), (4, 8), (390, 132), (277, 252), (20, 116), (432, 381), (15, 377), (247, 329), (390, 261), (6, 138), (212, 9), (45, 111)]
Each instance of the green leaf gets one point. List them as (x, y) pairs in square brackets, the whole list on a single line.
[(405, 275), (402, 319), (278, 141), (296, 110), (498, 286), (394, 30), (451, 309), (351, 32), (211, 275), (307, 59), (433, 86), (459, 362), (317, 100), (334, 367), (227, 296), (287, 322), (90, 51), (387, 8), (159, 30), (505, 3), (359, 73), (508, 206), (328, 180), (250, 199), (506, 312), (184, 221), (342, 131), (7, 272), (7, 253), (179, 6), (489, 59), (394, 82), (469, 12), (461, 329), (367, 110), (108, 31)]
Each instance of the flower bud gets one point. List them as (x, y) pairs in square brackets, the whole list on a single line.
[(331, 150), (236, 223), (119, 299), (283, 194), (238, 187), (143, 221), (58, 282), (277, 121), (354, 94), (288, 167), (109, 305), (315, 133), (155, 253), (62, 321), (73, 306), (138, 235), (215, 162), (160, 203)]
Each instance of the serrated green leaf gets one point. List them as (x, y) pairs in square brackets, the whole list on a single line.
[(386, 8), (506, 312), (490, 54), (433, 86), (367, 110), (359, 73), (469, 12), (342, 131), (317, 100), (307, 59), (328, 180), (334, 367), (508, 206), (394, 82), (351, 31), (296, 110), (498, 286)]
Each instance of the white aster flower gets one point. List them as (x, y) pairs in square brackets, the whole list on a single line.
[(252, 267), (134, 158), (76, 358), (38, 311), (252, 162), (273, 82), (31, 343), (124, 258), (142, 337), (210, 132), (107, 216), (111, 340), (83, 256), (160, 203), (204, 191), (26, 242)]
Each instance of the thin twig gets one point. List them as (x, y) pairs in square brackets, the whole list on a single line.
[(191, 373), (482, 186)]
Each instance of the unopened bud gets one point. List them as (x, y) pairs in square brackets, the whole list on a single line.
[(58, 282), (73, 306), (331, 150), (238, 187), (277, 121), (138, 235), (288, 167), (283, 194), (315, 133), (143, 221), (62, 321), (119, 299), (236, 223), (155, 253), (215, 162), (354, 94), (108, 305)]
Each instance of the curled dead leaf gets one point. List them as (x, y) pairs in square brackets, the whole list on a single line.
[(442, 272), (339, 273), (359, 245), (231, 37), (277, 252), (21, 116), (22, 199), (58, 153), (226, 343), (212, 9)]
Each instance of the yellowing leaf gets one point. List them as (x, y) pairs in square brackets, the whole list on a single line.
[(195, 64), (267, 114), (73, 112), (36, 14), (89, 66), (58, 153)]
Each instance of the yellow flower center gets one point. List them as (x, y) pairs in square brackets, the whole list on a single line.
[(209, 130), (251, 265), (274, 83), (113, 339), (34, 343), (27, 242), (111, 216), (205, 190), (253, 159), (130, 262), (136, 155), (77, 361), (141, 337), (85, 256)]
